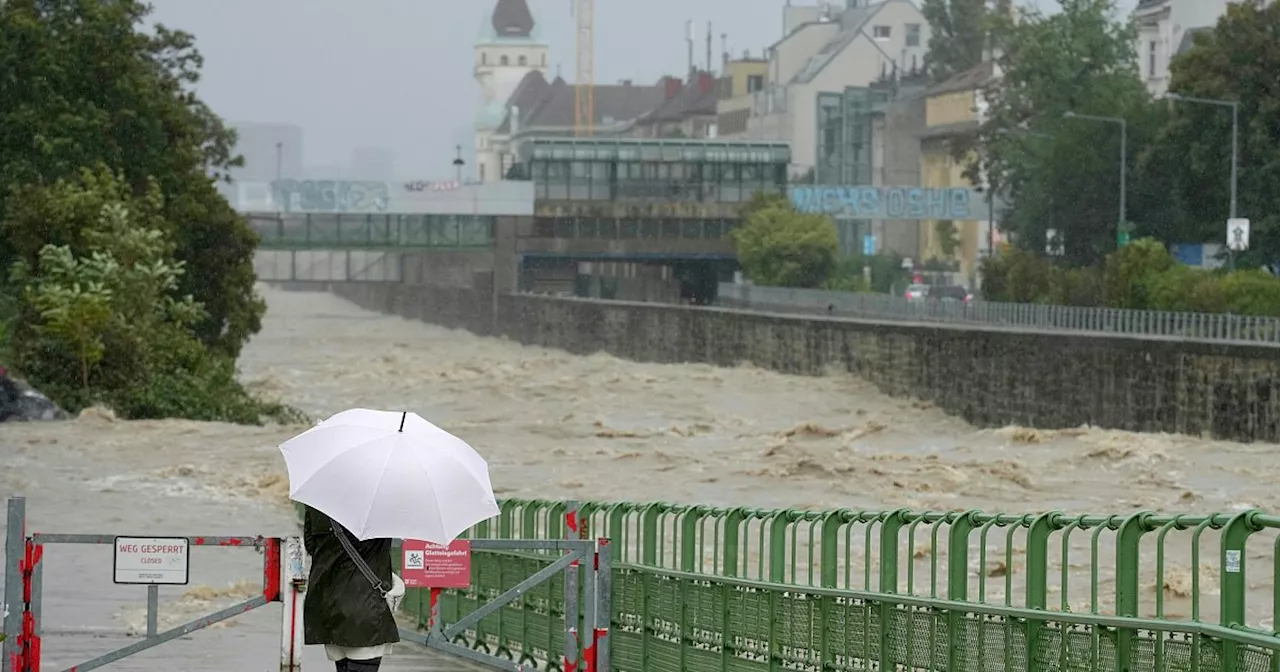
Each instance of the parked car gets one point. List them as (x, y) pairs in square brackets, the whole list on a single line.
[(950, 293), (917, 292)]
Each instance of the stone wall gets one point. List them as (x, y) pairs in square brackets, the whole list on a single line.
[(987, 376)]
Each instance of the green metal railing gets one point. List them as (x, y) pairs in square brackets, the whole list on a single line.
[(706, 588)]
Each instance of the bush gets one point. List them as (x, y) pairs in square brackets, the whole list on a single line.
[(1140, 276), (107, 324), (780, 247)]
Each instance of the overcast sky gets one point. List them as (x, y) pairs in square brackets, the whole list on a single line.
[(397, 73)]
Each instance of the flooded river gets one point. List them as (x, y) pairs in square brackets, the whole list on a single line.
[(556, 425)]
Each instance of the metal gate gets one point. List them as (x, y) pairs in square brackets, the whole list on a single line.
[(283, 580), (581, 557)]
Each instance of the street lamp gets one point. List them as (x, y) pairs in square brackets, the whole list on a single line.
[(1235, 143), (1124, 154)]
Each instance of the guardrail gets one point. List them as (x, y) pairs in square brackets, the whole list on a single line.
[(707, 588), (1199, 326)]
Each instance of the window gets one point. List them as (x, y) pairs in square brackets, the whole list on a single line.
[(544, 60), (880, 32), (755, 83), (1151, 59), (913, 35), (484, 58), (524, 61), (504, 61)]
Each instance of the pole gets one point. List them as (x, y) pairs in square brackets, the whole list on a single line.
[(1124, 174), (293, 587), (15, 545), (1235, 168), (279, 160)]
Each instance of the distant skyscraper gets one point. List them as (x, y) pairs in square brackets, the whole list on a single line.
[(372, 163), (269, 151)]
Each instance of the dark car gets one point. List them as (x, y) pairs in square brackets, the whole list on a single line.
[(949, 293)]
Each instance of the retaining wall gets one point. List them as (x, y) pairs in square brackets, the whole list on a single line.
[(990, 377)]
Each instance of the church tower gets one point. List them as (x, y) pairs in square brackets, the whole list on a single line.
[(508, 49)]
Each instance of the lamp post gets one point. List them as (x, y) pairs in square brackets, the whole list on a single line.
[(1235, 147), (1124, 163)]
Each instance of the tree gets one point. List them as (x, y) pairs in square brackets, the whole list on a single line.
[(958, 31), (1235, 61), (780, 247), (86, 84), (109, 323), (1063, 173)]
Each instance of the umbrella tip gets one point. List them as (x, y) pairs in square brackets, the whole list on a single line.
[(403, 415)]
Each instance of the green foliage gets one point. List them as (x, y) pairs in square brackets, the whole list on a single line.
[(780, 247), (86, 83), (1141, 276), (887, 274), (1128, 273), (1059, 173), (109, 323), (958, 34), (1191, 159)]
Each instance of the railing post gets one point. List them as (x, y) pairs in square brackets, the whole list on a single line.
[(292, 590), (571, 622), (15, 547), (1128, 560), (1232, 582), (604, 605)]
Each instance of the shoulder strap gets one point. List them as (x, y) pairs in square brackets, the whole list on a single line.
[(355, 557)]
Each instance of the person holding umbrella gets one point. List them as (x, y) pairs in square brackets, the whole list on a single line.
[(366, 477), (345, 611)]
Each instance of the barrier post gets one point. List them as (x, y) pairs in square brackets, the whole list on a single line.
[(293, 592), (598, 658), (15, 547), (571, 622)]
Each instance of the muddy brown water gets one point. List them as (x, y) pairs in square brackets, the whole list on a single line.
[(562, 426)]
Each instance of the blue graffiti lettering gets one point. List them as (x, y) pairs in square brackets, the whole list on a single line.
[(959, 204), (330, 196), (888, 202)]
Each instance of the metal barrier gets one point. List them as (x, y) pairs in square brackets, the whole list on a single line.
[(1192, 326), (151, 562), (704, 588), (537, 584)]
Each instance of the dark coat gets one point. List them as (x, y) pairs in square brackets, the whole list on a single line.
[(341, 606)]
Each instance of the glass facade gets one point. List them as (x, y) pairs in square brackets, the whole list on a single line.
[(844, 135), (631, 170), (844, 154), (347, 231)]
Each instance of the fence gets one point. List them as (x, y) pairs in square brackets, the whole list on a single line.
[(703, 588), (1199, 326), (377, 231)]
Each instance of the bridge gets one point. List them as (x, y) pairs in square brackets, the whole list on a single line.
[(712, 588)]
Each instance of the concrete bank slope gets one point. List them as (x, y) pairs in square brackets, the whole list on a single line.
[(990, 377)]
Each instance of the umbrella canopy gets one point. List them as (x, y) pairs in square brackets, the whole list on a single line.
[(384, 474)]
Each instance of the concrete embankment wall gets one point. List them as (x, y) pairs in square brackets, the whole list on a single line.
[(988, 377)]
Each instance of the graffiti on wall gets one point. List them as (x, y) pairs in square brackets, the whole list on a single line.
[(885, 202), (421, 185), (330, 196)]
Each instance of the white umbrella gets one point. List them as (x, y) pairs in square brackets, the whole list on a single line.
[(384, 474)]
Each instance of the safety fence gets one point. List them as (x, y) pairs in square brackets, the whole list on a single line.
[(705, 588), (1198, 326)]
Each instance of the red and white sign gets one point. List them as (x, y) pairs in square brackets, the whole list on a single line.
[(152, 560), (427, 565)]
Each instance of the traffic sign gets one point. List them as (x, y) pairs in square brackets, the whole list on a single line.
[(1053, 243), (152, 560), (427, 565), (1238, 234)]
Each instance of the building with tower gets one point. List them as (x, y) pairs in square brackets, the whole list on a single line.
[(508, 49)]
